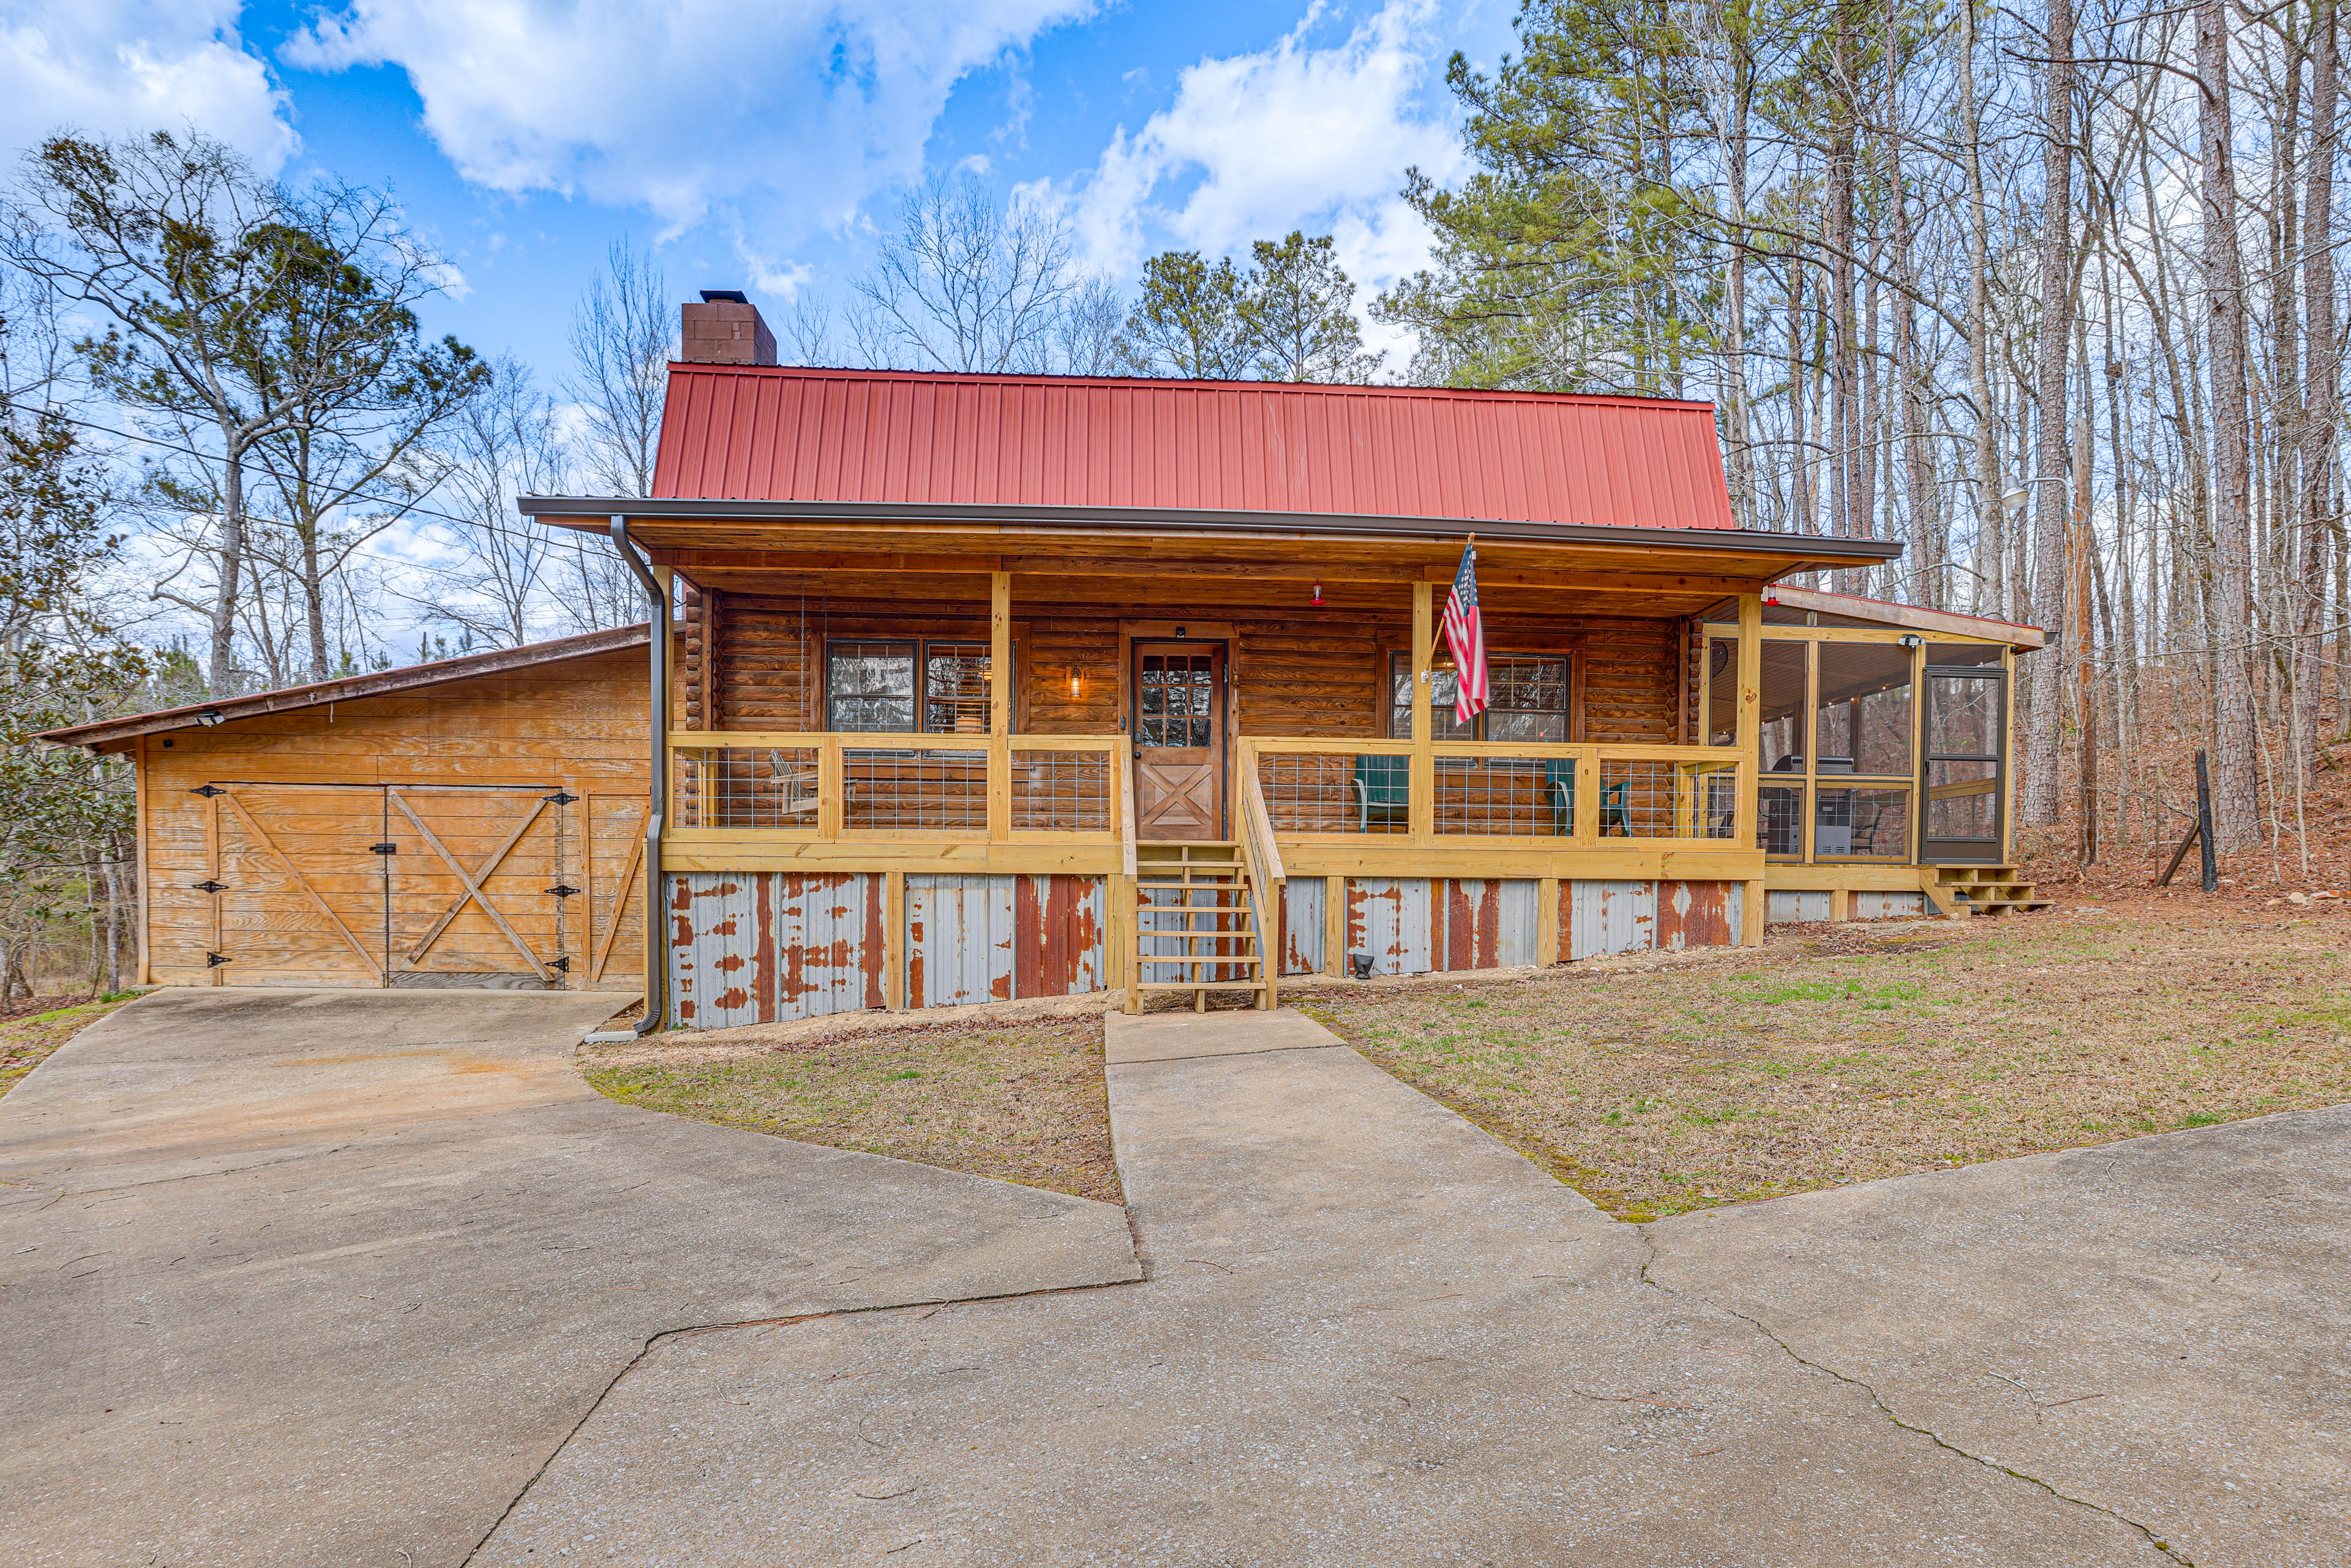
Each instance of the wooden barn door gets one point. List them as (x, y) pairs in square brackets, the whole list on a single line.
[(297, 890), (1179, 741), (501, 885), (478, 886)]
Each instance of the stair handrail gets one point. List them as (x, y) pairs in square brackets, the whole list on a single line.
[(1126, 833), (1257, 823), (1261, 867)]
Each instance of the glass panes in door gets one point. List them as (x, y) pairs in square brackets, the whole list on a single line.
[(1175, 696)]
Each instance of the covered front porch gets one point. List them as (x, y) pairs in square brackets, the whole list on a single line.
[(1218, 759)]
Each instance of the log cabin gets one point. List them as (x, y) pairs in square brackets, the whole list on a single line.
[(1000, 687)]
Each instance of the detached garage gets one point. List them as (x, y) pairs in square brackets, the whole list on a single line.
[(477, 821)]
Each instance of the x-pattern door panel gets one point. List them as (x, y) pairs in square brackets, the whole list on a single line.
[(1179, 740), (419, 884)]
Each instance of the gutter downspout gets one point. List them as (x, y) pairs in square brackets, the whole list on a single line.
[(657, 799)]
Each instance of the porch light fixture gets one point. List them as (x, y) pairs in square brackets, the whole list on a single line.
[(1910, 640), (1077, 688), (209, 717), (1179, 630)]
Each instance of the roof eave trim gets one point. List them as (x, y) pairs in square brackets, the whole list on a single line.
[(349, 688), (594, 512)]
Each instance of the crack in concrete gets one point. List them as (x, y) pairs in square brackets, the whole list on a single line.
[(1642, 1277), (637, 1360), (200, 1176)]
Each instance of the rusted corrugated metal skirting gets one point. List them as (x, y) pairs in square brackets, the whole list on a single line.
[(763, 947)]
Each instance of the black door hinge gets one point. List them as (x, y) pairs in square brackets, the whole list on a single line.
[(561, 797), (208, 791), (208, 885), (214, 960), (385, 848), (561, 966), (563, 890)]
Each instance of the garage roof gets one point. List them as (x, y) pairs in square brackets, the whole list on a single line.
[(108, 734)]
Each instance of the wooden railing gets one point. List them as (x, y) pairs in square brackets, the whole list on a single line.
[(1063, 788), (827, 787), (1262, 870), (1581, 795)]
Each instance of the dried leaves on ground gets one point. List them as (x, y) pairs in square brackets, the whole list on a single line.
[(27, 1038), (1021, 1100), (1846, 1052)]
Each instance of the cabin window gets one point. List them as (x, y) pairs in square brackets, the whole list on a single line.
[(1528, 703), (955, 688), (870, 686)]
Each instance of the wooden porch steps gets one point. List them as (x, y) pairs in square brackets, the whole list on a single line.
[(1986, 890), (1194, 911)]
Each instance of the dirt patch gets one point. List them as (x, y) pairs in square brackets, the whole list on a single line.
[(1020, 1100), (28, 1037), (1847, 1052)]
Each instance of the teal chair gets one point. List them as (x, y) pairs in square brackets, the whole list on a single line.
[(1559, 775), (1559, 783), (1383, 791)]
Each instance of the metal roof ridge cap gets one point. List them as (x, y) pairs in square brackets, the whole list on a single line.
[(1333, 389)]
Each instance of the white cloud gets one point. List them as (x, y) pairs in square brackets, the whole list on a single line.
[(119, 68), (1255, 145), (683, 107)]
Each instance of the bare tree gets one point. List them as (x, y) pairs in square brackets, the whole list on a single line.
[(197, 266), (623, 336), (1086, 337), (2237, 764), (2053, 341), (966, 283), (344, 443), (503, 445)]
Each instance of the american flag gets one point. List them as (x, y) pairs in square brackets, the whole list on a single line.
[(1466, 634)]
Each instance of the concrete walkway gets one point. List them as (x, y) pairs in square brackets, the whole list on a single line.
[(2160, 1326), (327, 1277), (1370, 1336)]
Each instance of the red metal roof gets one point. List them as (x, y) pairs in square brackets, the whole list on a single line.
[(769, 432)]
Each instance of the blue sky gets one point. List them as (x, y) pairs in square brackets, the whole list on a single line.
[(758, 145)]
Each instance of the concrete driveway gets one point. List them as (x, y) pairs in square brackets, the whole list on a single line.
[(328, 1277), (1373, 1335)]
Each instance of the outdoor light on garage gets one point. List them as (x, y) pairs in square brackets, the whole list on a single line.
[(1077, 687), (209, 717)]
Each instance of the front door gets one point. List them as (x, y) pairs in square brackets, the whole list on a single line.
[(1964, 777), (1179, 740)]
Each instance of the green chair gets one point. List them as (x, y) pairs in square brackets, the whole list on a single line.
[(1612, 809), (1383, 791), (1559, 783), (1559, 778)]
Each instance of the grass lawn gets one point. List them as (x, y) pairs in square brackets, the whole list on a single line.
[(1844, 1052), (1019, 1100), (26, 1040)]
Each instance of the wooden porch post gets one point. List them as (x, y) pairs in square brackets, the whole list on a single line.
[(1748, 747), (999, 705), (1423, 759)]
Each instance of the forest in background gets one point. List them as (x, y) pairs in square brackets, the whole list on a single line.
[(2052, 297)]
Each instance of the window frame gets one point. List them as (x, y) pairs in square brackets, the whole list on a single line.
[(1440, 716), (922, 647)]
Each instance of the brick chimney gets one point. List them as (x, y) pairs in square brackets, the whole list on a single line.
[(725, 330)]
